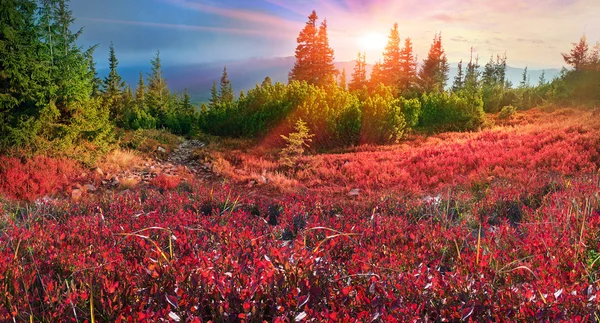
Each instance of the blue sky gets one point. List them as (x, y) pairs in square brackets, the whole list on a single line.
[(532, 32)]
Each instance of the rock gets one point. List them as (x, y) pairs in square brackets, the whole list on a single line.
[(90, 187), (263, 180), (76, 194), (251, 183), (99, 172), (161, 150), (354, 192), (115, 182)]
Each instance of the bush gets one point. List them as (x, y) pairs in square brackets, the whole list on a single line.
[(507, 112), (36, 177), (461, 111)]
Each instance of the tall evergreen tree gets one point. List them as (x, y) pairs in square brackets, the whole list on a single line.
[(214, 96), (524, 81), (306, 54), (267, 82), (324, 66), (408, 64), (96, 82), (433, 74), (158, 95), (314, 57), (226, 90), (113, 83), (377, 76), (542, 80), (578, 55), (392, 59), (140, 92), (343, 84), (186, 103), (359, 76), (471, 81), (458, 83)]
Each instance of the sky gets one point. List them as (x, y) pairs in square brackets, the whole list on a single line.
[(533, 33)]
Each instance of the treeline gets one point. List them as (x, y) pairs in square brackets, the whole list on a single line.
[(52, 101)]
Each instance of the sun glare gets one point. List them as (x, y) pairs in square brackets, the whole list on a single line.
[(372, 41)]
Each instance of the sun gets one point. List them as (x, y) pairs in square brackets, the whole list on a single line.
[(372, 41)]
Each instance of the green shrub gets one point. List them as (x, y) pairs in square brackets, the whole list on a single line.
[(296, 141), (507, 112), (462, 111)]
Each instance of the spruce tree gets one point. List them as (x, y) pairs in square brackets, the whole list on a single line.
[(359, 76), (214, 96), (140, 92), (578, 56), (96, 82), (343, 84), (471, 82), (433, 75), (306, 54), (158, 96), (186, 104), (325, 71), (226, 90), (408, 67), (377, 76), (542, 80), (392, 59), (524, 82), (113, 83), (267, 82), (458, 83), (314, 57)]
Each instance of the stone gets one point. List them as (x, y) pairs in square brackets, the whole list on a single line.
[(354, 192), (76, 194), (161, 150), (90, 187), (263, 180), (99, 171)]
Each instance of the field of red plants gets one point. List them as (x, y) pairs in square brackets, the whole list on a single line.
[(500, 225)]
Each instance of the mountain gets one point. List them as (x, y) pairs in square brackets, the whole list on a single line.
[(244, 75)]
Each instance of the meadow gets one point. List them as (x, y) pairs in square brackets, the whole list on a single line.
[(497, 225)]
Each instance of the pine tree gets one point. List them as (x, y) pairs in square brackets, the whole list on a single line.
[(578, 55), (458, 79), (408, 64), (524, 82), (434, 72), (186, 104), (140, 92), (96, 82), (471, 81), (542, 79), (343, 84), (214, 96), (113, 83), (359, 76), (324, 66), (377, 76), (314, 57), (226, 90), (303, 69), (392, 59), (158, 95)]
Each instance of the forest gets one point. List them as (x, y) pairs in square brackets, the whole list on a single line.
[(399, 196)]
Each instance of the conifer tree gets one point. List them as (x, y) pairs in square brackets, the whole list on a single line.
[(306, 54), (226, 90), (113, 83), (458, 79), (186, 104), (578, 56), (158, 95), (377, 76), (343, 84), (392, 59), (214, 96), (314, 57), (542, 79), (359, 76), (140, 92), (433, 75), (325, 71), (96, 82), (524, 82), (471, 82), (408, 67)]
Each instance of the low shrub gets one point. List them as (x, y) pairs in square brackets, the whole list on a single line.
[(507, 112)]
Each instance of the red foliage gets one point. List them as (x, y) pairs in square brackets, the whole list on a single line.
[(35, 177), (166, 182)]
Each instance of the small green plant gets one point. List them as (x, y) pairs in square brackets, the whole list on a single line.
[(507, 112), (296, 141)]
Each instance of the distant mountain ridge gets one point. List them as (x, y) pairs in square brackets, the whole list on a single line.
[(244, 75)]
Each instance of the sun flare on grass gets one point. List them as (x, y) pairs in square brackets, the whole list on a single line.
[(372, 41)]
